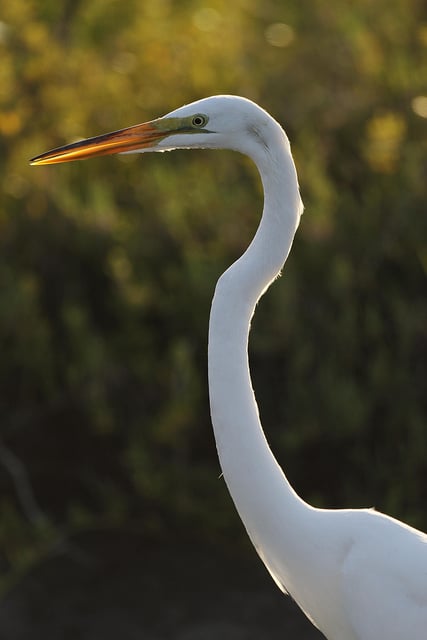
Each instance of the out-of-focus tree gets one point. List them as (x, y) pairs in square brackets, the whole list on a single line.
[(107, 267)]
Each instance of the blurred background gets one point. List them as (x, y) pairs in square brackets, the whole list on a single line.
[(107, 267)]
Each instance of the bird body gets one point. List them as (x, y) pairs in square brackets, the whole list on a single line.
[(357, 574)]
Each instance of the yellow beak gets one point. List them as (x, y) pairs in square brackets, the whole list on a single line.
[(133, 138)]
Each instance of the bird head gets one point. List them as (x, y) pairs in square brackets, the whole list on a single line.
[(217, 122)]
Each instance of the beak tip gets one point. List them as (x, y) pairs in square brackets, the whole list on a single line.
[(37, 160)]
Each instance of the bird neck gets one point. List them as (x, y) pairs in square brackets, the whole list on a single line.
[(249, 467)]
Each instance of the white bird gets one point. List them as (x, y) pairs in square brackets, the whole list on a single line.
[(356, 573)]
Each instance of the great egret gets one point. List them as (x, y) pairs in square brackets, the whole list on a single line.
[(356, 573)]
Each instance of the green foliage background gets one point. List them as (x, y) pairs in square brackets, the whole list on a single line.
[(107, 267)]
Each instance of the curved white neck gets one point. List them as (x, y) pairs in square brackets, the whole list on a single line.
[(251, 472)]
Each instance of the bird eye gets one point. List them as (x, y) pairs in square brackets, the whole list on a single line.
[(199, 120)]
